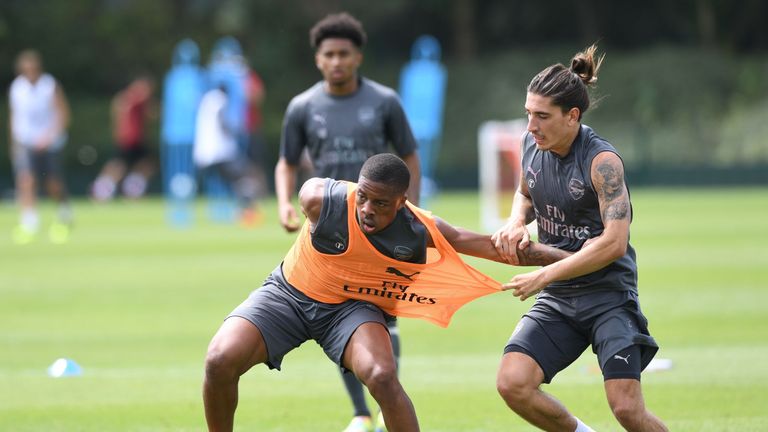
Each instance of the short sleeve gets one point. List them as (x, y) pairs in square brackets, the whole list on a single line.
[(398, 129), (293, 138)]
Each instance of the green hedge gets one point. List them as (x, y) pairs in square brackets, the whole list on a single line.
[(676, 115)]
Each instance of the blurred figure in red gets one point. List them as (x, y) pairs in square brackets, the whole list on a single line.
[(132, 108), (255, 145), (252, 144)]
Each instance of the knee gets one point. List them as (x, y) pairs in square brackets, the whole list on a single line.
[(25, 180), (514, 388), (380, 379), (627, 412), (220, 365)]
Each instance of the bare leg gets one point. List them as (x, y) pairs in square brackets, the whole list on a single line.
[(25, 189), (105, 185), (369, 356), (236, 347), (114, 169), (625, 397), (56, 190), (136, 182), (518, 382), (145, 167), (355, 387)]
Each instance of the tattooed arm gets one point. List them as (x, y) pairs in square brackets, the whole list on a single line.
[(608, 180)]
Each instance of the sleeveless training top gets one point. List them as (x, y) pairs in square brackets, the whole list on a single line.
[(432, 291), (568, 212), (33, 106)]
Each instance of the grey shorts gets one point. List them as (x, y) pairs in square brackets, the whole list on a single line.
[(556, 331), (287, 318), (44, 163)]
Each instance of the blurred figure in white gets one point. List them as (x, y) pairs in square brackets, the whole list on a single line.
[(216, 151), (39, 117)]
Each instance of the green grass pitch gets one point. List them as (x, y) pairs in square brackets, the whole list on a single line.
[(135, 303)]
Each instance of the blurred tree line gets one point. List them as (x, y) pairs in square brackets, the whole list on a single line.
[(684, 86)]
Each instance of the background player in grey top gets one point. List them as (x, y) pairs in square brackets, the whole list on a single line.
[(572, 184), (342, 121)]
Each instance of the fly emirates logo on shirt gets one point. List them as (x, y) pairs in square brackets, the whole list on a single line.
[(343, 150), (554, 223), (393, 289)]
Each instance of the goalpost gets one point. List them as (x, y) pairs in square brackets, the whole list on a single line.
[(499, 169)]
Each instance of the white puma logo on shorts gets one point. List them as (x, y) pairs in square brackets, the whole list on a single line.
[(626, 359)]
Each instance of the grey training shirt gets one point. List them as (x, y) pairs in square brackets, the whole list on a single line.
[(342, 132), (568, 212)]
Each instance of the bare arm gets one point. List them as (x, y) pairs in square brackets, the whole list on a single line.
[(61, 106), (62, 109), (311, 198), (414, 166), (480, 245), (513, 236), (608, 179), (285, 184), (10, 131)]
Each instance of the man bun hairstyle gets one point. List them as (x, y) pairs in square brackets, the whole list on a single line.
[(388, 169), (341, 25), (569, 87)]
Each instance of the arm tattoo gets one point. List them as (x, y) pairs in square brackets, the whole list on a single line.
[(537, 254), (617, 210), (613, 181), (613, 198)]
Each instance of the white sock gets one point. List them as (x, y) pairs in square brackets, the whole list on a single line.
[(65, 213), (134, 185), (581, 427), (103, 188), (30, 220)]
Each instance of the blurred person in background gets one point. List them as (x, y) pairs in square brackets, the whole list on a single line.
[(255, 146), (342, 121), (132, 108), (217, 151), (39, 117), (228, 71), (183, 87), (572, 184), (422, 88)]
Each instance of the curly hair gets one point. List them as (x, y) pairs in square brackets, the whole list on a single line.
[(341, 25)]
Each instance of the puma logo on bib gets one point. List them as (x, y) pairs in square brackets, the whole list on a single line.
[(397, 272)]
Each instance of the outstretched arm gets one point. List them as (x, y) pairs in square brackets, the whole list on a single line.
[(480, 245)]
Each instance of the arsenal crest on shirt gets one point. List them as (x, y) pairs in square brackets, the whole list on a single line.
[(576, 188)]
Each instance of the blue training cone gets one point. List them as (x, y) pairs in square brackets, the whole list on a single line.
[(64, 367)]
